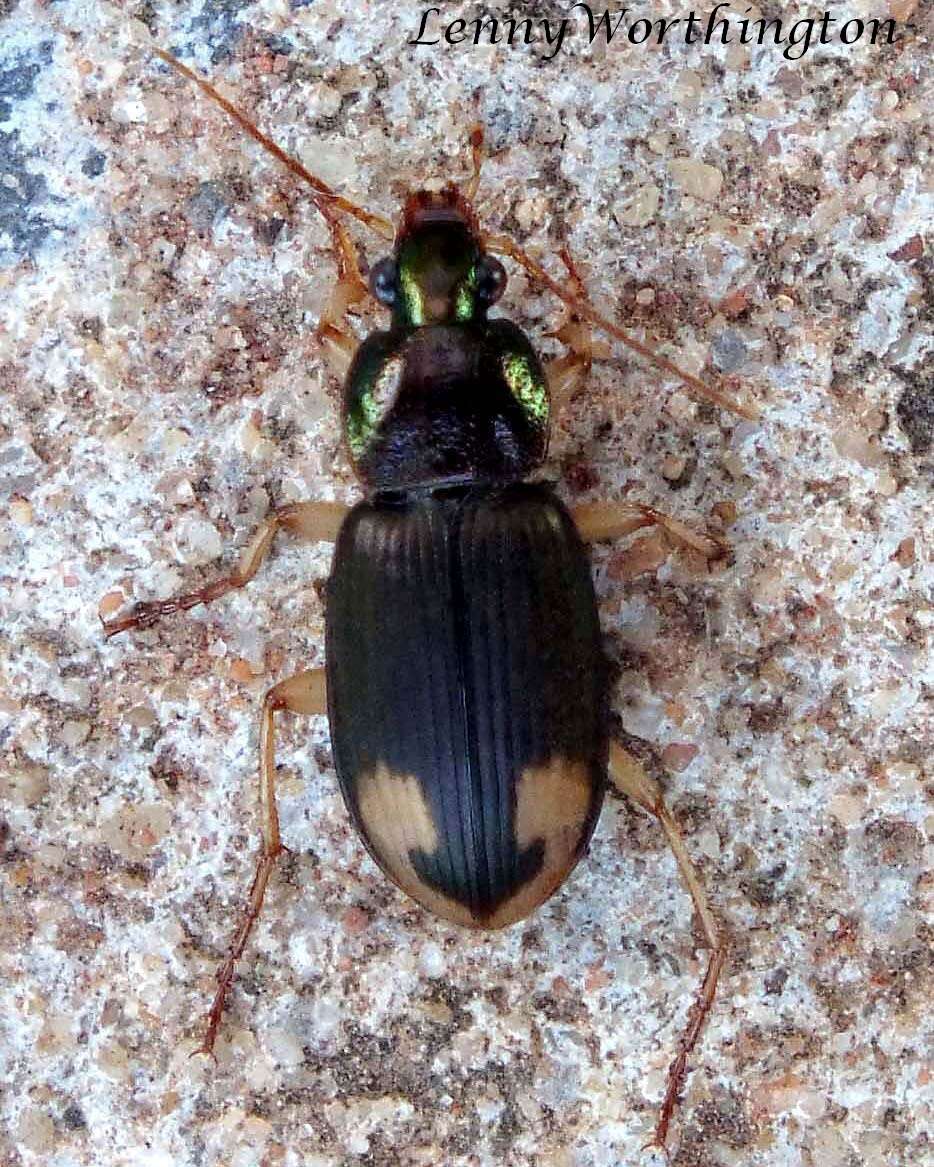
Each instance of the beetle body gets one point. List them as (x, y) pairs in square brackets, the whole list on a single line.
[(466, 681), (467, 695)]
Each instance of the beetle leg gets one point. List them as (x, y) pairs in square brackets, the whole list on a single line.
[(314, 521), (303, 693), (338, 347), (337, 342), (566, 372), (629, 778), (599, 521), (351, 288)]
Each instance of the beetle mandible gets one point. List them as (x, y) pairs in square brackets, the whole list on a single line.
[(465, 683)]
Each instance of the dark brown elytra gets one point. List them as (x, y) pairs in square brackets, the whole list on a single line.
[(420, 485)]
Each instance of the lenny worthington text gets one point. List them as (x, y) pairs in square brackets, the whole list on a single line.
[(624, 27)]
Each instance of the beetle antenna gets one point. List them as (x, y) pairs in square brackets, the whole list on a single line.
[(476, 155), (326, 199), (582, 307)]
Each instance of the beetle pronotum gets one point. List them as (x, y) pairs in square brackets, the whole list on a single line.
[(465, 684)]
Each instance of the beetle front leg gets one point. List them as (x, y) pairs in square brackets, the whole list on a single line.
[(629, 778), (303, 693), (599, 521), (337, 346), (337, 342), (314, 521), (565, 373)]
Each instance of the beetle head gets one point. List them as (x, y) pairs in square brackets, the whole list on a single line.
[(438, 273)]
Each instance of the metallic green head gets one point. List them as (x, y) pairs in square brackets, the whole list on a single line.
[(438, 273)]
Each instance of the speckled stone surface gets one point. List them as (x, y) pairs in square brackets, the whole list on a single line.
[(762, 219)]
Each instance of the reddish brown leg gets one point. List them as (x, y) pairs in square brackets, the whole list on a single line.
[(351, 288), (303, 693), (310, 520), (629, 778), (337, 345), (566, 372), (337, 342), (599, 521)]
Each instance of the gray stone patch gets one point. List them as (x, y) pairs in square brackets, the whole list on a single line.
[(23, 228), (729, 351), (219, 23), (19, 469), (208, 205), (93, 165), (21, 193), (18, 80), (915, 411)]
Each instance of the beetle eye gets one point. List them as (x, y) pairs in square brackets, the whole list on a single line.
[(492, 280), (383, 281)]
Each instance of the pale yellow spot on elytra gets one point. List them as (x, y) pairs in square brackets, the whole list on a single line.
[(552, 804), (553, 801), (398, 820), (396, 813)]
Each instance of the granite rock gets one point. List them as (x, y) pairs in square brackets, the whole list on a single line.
[(766, 223)]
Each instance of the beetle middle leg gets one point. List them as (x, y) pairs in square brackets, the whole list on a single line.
[(304, 693), (598, 521), (629, 778), (314, 521)]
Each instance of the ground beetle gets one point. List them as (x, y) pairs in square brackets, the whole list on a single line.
[(466, 686)]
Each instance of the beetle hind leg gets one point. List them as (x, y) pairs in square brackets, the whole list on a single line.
[(629, 778), (303, 693)]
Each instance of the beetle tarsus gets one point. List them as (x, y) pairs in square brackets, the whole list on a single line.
[(227, 971), (701, 1006), (654, 1145), (205, 1050), (148, 612)]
